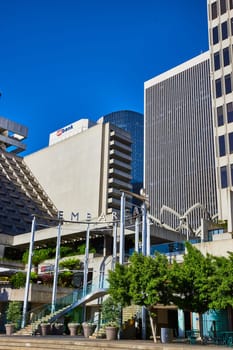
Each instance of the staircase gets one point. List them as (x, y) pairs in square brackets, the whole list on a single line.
[(62, 307)]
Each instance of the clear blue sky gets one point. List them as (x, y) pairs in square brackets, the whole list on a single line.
[(62, 60)]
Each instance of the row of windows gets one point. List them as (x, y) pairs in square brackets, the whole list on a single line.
[(220, 10), (225, 182), (223, 86), (222, 144), (224, 33), (225, 113), (221, 59)]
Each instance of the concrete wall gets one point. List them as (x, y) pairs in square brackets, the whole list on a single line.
[(71, 172)]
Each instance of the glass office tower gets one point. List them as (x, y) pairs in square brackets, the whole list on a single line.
[(133, 123)]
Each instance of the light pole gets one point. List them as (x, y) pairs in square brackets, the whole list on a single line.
[(25, 303), (85, 270), (122, 230), (57, 258), (145, 248)]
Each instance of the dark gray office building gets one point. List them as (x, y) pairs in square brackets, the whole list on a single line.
[(179, 142)]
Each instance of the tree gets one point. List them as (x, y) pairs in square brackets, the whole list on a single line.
[(222, 283), (191, 281), (144, 282)]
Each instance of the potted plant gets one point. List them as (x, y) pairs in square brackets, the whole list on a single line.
[(88, 329), (73, 327), (13, 316), (111, 313), (45, 328)]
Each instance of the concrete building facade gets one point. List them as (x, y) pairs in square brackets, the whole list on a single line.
[(220, 22), (179, 168), (85, 172)]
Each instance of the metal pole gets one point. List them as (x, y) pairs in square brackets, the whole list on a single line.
[(137, 223), (56, 268), (144, 248), (122, 230), (114, 253), (148, 237), (144, 233), (85, 269), (28, 272)]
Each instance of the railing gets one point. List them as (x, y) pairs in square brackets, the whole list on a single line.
[(40, 313)]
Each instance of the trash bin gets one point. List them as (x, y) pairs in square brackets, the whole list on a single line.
[(166, 335)]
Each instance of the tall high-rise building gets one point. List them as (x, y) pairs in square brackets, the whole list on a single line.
[(133, 123), (220, 22), (85, 168), (179, 143)]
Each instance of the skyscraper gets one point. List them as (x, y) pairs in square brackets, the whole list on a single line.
[(133, 123), (179, 142), (220, 21)]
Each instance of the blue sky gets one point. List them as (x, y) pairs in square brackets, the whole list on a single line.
[(62, 60)]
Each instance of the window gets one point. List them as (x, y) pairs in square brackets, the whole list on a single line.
[(224, 30), (221, 146), (226, 57), (223, 6), (216, 61), (220, 118), (218, 88), (214, 10), (228, 88), (230, 112), (215, 35), (231, 174), (231, 4), (231, 26), (230, 136), (223, 176)]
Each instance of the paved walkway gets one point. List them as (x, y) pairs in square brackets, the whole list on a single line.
[(79, 343)]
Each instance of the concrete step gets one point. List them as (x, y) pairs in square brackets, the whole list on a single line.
[(77, 343)]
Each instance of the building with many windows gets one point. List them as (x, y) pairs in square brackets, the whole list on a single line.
[(133, 123), (179, 142), (86, 170), (220, 21)]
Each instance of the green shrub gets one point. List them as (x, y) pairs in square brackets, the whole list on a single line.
[(13, 313)]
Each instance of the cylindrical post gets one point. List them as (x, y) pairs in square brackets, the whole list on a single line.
[(122, 230), (137, 223), (85, 268), (33, 227), (114, 252), (56, 268), (148, 236), (144, 248), (144, 233)]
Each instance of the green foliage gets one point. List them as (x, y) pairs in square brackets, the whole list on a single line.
[(149, 280), (65, 251), (13, 313), (18, 280), (71, 264), (119, 283), (65, 279), (190, 281), (111, 311), (144, 282), (38, 256), (222, 283), (81, 249)]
